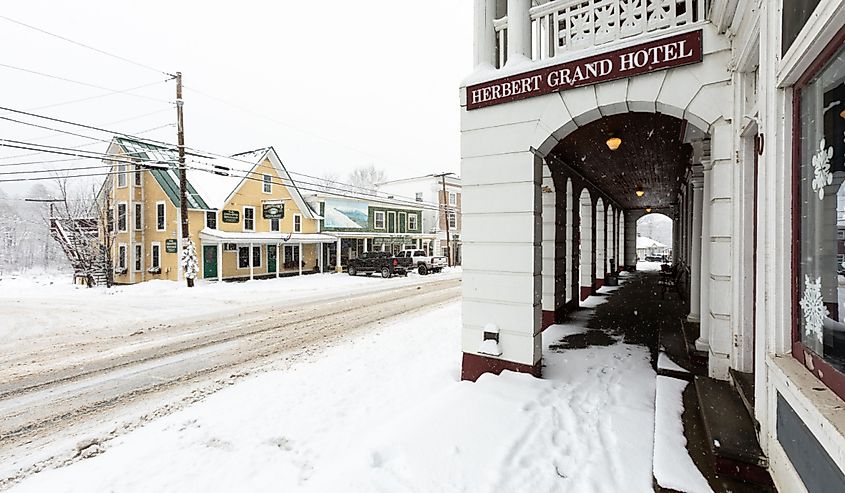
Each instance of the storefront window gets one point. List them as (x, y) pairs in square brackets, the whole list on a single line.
[(821, 195)]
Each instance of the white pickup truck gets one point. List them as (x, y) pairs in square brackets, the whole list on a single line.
[(424, 263)]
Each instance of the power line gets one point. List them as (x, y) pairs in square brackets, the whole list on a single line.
[(103, 52), (283, 124), (106, 94), (74, 81)]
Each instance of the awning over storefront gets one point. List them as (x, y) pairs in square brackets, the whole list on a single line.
[(217, 236)]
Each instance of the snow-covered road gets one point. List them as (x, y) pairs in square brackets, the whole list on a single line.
[(81, 391), (387, 412)]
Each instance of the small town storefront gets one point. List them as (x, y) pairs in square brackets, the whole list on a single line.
[(227, 255), (352, 245)]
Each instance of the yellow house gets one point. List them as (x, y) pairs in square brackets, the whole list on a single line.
[(246, 216)]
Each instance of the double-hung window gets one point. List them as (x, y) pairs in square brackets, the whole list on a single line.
[(155, 255), (249, 218), (818, 193), (139, 216), (160, 216), (121, 217), (243, 257), (412, 222), (139, 257), (297, 223), (121, 257), (267, 184), (121, 175), (378, 220), (211, 219)]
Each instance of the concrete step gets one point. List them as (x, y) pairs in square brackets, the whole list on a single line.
[(744, 385), (731, 434)]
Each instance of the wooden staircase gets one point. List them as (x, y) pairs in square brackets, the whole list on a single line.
[(79, 240)]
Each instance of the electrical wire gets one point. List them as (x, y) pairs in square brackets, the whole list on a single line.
[(103, 52), (87, 84), (106, 94)]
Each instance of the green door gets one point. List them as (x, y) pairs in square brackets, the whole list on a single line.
[(271, 258), (209, 261)]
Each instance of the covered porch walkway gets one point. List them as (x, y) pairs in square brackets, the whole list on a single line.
[(639, 313)]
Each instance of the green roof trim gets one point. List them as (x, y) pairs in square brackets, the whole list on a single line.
[(166, 178)]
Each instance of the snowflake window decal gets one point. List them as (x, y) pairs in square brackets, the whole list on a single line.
[(813, 307), (821, 168)]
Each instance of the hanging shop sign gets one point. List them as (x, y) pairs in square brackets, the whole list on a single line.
[(170, 245), (674, 51), (273, 210), (230, 216)]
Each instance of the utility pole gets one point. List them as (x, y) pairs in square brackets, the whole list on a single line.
[(442, 177), (183, 181)]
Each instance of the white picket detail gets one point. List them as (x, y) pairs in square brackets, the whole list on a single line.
[(560, 26)]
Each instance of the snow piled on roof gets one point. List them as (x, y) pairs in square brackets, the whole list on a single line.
[(215, 187), (646, 242)]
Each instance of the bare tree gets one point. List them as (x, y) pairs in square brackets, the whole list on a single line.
[(83, 226), (366, 176)]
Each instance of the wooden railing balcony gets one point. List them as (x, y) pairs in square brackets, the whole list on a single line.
[(563, 26)]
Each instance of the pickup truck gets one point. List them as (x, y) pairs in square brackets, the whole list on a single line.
[(424, 263), (381, 262)]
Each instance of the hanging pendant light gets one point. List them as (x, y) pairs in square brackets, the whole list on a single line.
[(639, 191), (613, 143), (648, 210)]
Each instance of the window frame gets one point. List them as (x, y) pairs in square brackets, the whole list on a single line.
[(297, 223), (418, 196), (254, 249), (452, 218), (138, 264), (210, 214), (243, 223), (831, 377), (122, 258), (121, 175), (383, 220), (453, 198), (415, 216), (138, 216), (275, 225), (155, 255), (125, 227), (163, 216), (267, 182), (136, 179)]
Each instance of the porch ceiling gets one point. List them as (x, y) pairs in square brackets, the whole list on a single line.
[(652, 155)]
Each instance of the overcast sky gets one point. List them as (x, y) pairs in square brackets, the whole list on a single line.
[(331, 84)]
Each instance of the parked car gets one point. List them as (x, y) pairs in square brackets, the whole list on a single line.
[(655, 258), (381, 262), (424, 263)]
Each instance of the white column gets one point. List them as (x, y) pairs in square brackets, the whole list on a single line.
[(586, 245), (220, 261), (279, 258), (300, 259), (338, 267), (601, 252), (502, 294), (720, 233), (549, 221), (366, 246), (484, 53), (703, 341), (320, 253), (251, 267), (631, 237), (696, 265), (519, 32), (568, 248)]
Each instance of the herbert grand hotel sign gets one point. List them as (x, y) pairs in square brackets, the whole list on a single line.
[(673, 51)]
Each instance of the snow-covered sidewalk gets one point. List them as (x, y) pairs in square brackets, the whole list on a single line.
[(388, 413)]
